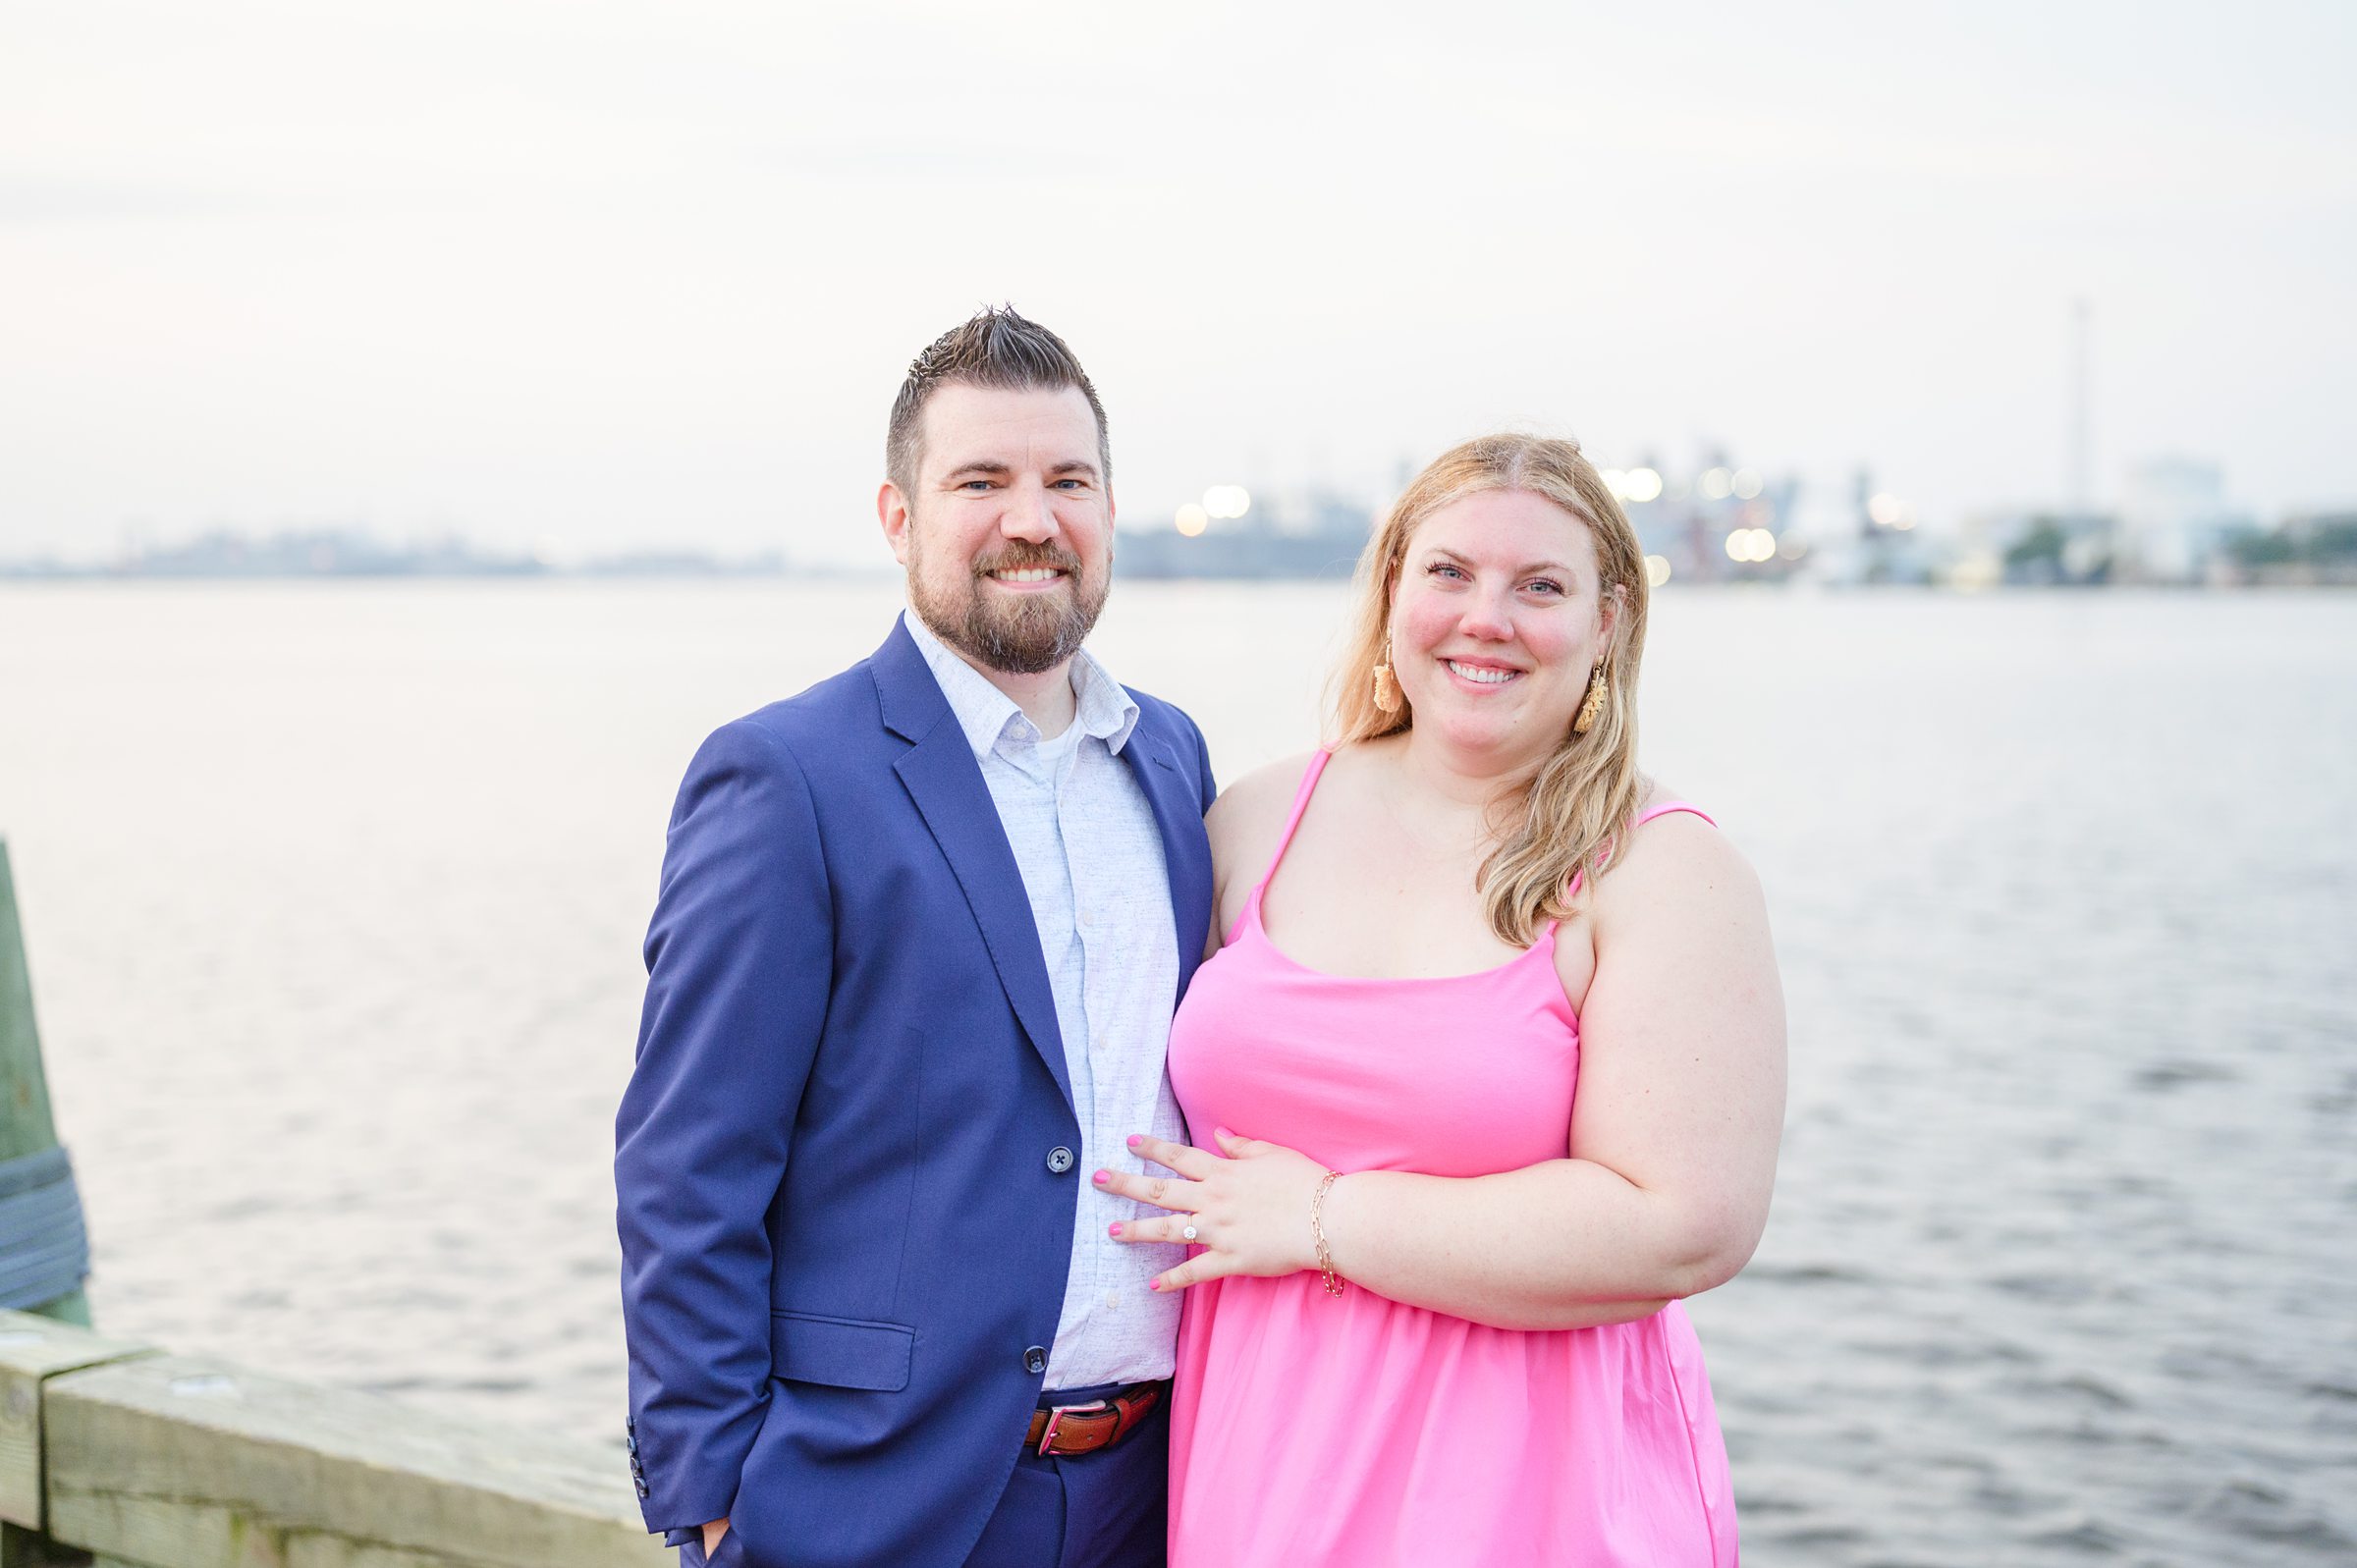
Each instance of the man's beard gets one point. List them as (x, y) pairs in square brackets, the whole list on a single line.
[(1019, 635)]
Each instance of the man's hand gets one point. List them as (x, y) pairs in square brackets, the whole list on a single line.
[(712, 1534)]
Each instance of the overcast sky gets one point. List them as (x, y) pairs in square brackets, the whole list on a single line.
[(598, 276)]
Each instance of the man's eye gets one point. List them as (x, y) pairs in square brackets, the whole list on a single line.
[(975, 484), (1071, 484)]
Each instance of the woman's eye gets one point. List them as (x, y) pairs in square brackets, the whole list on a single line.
[(1440, 567), (1546, 585)]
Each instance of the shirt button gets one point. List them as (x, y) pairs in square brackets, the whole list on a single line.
[(1035, 1361), (1113, 1300), (1059, 1159)]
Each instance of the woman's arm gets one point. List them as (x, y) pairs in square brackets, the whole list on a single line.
[(1673, 1139)]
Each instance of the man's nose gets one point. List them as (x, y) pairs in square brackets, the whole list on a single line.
[(1027, 515)]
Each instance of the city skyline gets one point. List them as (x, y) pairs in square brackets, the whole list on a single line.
[(611, 279)]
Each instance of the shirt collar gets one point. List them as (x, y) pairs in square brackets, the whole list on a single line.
[(1101, 708)]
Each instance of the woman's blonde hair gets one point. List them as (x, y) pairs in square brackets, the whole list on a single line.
[(1573, 812)]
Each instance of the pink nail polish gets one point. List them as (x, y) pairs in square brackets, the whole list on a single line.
[(1103, 1176), (1136, 1138), (1153, 1285), (1113, 1229)]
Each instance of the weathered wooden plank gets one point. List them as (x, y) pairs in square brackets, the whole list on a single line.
[(34, 1349), (185, 1462), (23, 1548)]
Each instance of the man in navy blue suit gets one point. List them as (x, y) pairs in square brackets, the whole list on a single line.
[(910, 979)]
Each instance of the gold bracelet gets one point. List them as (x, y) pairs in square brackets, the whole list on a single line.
[(1317, 1231)]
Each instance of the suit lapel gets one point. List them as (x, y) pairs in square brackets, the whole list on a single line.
[(944, 780), (1185, 853)]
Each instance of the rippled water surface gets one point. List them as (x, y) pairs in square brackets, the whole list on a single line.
[(333, 896)]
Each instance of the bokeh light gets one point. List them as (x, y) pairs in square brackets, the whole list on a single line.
[(1192, 520), (1226, 500)]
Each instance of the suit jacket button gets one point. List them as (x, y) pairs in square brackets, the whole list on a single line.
[(643, 1489), (1059, 1159), (629, 1445), (1035, 1361)]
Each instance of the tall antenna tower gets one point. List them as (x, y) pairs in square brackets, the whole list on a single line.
[(2082, 427)]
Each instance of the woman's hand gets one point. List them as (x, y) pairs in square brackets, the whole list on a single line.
[(1249, 1210)]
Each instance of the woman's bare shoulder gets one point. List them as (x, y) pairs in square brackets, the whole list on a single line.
[(1679, 858), (1245, 821)]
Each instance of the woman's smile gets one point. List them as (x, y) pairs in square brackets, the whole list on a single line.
[(1482, 675)]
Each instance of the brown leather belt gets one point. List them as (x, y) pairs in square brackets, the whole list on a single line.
[(1085, 1429)]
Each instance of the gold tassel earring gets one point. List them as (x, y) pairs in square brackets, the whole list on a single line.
[(1387, 696), (1592, 709)]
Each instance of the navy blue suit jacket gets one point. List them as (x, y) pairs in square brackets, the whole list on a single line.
[(845, 1231)]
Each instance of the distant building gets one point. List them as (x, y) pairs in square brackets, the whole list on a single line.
[(1303, 533), (1869, 537), (2309, 549), (1719, 523), (2175, 520)]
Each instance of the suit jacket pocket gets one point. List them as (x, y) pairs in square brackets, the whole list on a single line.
[(840, 1352)]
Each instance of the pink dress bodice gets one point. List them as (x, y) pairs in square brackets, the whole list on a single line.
[(1309, 1429)]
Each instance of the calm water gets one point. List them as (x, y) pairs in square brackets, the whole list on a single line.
[(334, 895)]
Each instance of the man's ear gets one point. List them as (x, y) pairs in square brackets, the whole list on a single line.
[(892, 511)]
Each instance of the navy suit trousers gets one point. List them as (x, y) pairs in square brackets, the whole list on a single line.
[(1109, 1509)]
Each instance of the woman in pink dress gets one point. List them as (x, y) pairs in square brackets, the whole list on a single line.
[(1488, 1072)]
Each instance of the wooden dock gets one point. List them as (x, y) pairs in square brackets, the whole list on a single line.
[(160, 1461)]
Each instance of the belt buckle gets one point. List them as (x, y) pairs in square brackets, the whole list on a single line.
[(1057, 1413)]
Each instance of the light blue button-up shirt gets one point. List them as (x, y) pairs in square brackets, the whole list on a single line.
[(1084, 838)]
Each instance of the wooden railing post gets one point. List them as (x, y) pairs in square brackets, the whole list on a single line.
[(33, 1350), (26, 1129)]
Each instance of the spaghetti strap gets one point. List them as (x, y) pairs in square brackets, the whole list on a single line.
[(1251, 909), (1309, 783), (1580, 877)]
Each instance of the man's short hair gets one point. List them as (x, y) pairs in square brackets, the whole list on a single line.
[(997, 348)]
